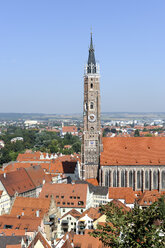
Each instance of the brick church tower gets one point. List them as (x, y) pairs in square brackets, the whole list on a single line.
[(92, 138)]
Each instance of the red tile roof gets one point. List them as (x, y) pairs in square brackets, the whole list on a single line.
[(126, 194), (69, 129), (92, 181), (43, 241), (13, 246), (23, 223), (29, 156), (73, 213), (66, 195), (120, 205), (10, 232), (37, 174), (133, 151), (149, 197), (87, 241), (92, 213), (17, 181), (27, 206)]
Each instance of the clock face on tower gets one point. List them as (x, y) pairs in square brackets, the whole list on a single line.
[(91, 117)]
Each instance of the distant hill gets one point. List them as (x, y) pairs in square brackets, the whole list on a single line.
[(78, 116)]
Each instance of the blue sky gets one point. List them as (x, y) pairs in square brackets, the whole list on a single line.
[(44, 46)]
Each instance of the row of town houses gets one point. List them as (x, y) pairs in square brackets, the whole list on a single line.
[(43, 201)]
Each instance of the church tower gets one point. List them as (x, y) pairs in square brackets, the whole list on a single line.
[(91, 139)]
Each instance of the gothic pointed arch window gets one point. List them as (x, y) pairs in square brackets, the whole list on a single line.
[(163, 179), (147, 180), (106, 178), (130, 179), (155, 180), (139, 179), (115, 178), (122, 178)]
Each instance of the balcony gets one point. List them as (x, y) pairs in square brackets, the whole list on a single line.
[(64, 223), (81, 225)]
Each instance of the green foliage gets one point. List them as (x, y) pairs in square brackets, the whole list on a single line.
[(134, 229), (34, 139), (76, 147), (148, 135), (136, 134)]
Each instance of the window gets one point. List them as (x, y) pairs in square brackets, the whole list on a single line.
[(91, 85), (163, 179), (57, 196), (86, 106), (122, 178), (8, 227), (138, 180), (130, 179), (106, 178), (63, 210), (155, 180), (62, 196), (146, 180), (115, 179), (91, 105), (80, 203)]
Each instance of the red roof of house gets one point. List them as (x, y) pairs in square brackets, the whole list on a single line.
[(13, 246), (86, 241), (17, 181), (23, 223), (37, 175), (28, 206), (92, 181), (69, 129), (66, 195), (43, 241), (73, 213), (92, 213), (29, 156), (120, 205), (133, 151), (10, 232), (149, 197), (126, 194)]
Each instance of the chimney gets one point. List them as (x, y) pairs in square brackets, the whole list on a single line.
[(37, 213)]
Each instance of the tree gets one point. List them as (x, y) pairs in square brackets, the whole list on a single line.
[(136, 134), (134, 229), (76, 147)]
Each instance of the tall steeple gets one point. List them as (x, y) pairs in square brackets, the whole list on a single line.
[(91, 138), (91, 67)]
